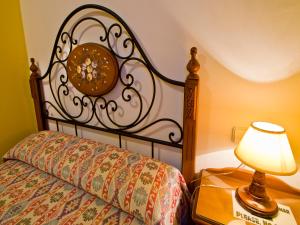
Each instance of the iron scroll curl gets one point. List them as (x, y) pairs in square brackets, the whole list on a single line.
[(110, 35)]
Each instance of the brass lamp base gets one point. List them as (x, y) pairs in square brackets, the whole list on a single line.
[(254, 198)]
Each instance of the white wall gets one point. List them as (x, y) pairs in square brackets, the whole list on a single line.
[(249, 53)]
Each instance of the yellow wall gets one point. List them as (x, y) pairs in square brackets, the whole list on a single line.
[(227, 100), (16, 108)]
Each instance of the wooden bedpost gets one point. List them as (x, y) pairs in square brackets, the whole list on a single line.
[(37, 94), (190, 118)]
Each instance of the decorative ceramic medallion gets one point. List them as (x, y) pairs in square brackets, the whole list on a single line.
[(92, 69)]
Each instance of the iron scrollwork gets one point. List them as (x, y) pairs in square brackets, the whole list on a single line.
[(110, 37)]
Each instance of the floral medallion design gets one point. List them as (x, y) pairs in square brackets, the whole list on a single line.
[(105, 167), (83, 148), (66, 172), (133, 158), (114, 156), (89, 214), (97, 182), (151, 165), (31, 183), (92, 69), (2, 202), (146, 178), (73, 158), (56, 197), (122, 177), (140, 196), (49, 150)]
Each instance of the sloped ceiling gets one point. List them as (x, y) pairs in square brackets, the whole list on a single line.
[(260, 40)]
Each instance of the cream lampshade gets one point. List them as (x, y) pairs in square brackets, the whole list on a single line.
[(264, 147)]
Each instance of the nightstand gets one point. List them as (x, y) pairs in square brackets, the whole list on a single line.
[(213, 205)]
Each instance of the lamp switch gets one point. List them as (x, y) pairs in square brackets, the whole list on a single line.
[(237, 134)]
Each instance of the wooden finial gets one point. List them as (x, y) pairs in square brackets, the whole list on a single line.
[(193, 66), (33, 67), (37, 93), (190, 118)]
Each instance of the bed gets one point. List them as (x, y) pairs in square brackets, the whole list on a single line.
[(52, 177)]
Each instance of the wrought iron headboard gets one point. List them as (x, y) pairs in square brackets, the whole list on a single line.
[(98, 104)]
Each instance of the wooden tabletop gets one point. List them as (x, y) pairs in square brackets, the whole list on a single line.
[(213, 205)]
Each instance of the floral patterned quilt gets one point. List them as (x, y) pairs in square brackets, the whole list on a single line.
[(54, 178)]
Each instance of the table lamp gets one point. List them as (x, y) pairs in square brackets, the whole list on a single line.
[(265, 148)]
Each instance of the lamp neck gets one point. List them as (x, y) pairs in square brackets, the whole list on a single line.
[(257, 187)]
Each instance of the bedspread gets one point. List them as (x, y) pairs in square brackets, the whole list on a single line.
[(31, 196), (126, 187)]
